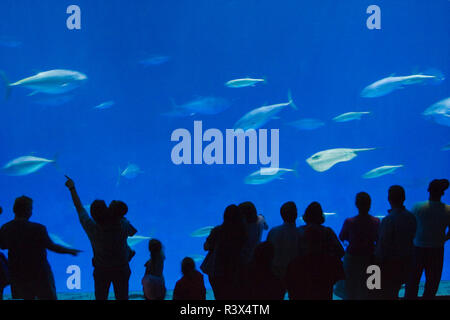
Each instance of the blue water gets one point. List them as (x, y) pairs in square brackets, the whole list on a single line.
[(320, 50)]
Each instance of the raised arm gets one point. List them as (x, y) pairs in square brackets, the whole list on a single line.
[(86, 222)]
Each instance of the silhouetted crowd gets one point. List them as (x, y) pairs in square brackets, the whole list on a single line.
[(306, 262)]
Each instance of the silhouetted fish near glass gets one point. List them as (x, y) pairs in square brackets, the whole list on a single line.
[(307, 124), (200, 105), (154, 60), (202, 232)]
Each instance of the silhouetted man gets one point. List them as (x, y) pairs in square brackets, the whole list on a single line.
[(284, 239), (433, 220), (395, 245), (27, 243)]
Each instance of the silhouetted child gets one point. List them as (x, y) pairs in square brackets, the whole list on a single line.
[(120, 209), (153, 280), (191, 286)]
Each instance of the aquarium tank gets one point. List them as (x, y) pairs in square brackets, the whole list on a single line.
[(139, 100)]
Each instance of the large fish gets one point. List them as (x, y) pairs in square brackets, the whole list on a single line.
[(324, 160), (25, 165), (439, 112), (260, 116), (200, 105), (202, 232), (266, 175), (349, 116), (306, 124), (380, 171), (245, 82), (387, 85), (49, 82)]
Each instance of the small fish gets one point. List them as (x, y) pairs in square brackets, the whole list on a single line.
[(257, 118), (380, 217), (202, 232), (50, 82), (8, 42), (154, 60), (130, 172), (266, 175), (54, 100), (307, 124), (439, 112), (56, 239), (25, 165), (105, 105), (200, 105), (134, 240), (197, 257), (380, 171), (387, 85), (329, 213), (324, 160), (245, 82), (349, 116)]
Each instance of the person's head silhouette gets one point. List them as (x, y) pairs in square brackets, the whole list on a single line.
[(99, 212), (396, 196), (248, 210), (289, 212), (437, 189), (314, 214), (363, 202), (187, 266), (231, 215), (155, 247), (118, 208), (23, 208)]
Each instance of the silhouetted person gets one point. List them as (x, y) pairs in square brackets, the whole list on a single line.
[(224, 262), (255, 224), (27, 243), (361, 232), (313, 273), (108, 236), (433, 220), (262, 283), (395, 245), (120, 209), (4, 270), (284, 239), (191, 286), (153, 280)]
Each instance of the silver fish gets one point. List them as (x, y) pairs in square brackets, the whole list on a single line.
[(349, 116), (380, 171), (25, 165), (439, 112), (266, 175)]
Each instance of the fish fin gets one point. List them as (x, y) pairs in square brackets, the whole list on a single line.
[(119, 176), (33, 93), (7, 84), (291, 101)]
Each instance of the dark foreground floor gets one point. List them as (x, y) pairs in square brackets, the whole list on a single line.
[(443, 293)]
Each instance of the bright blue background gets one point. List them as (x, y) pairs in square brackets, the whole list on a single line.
[(321, 50)]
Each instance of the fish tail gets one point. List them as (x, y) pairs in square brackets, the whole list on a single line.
[(438, 74), (56, 163), (295, 169), (291, 101), (7, 84)]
